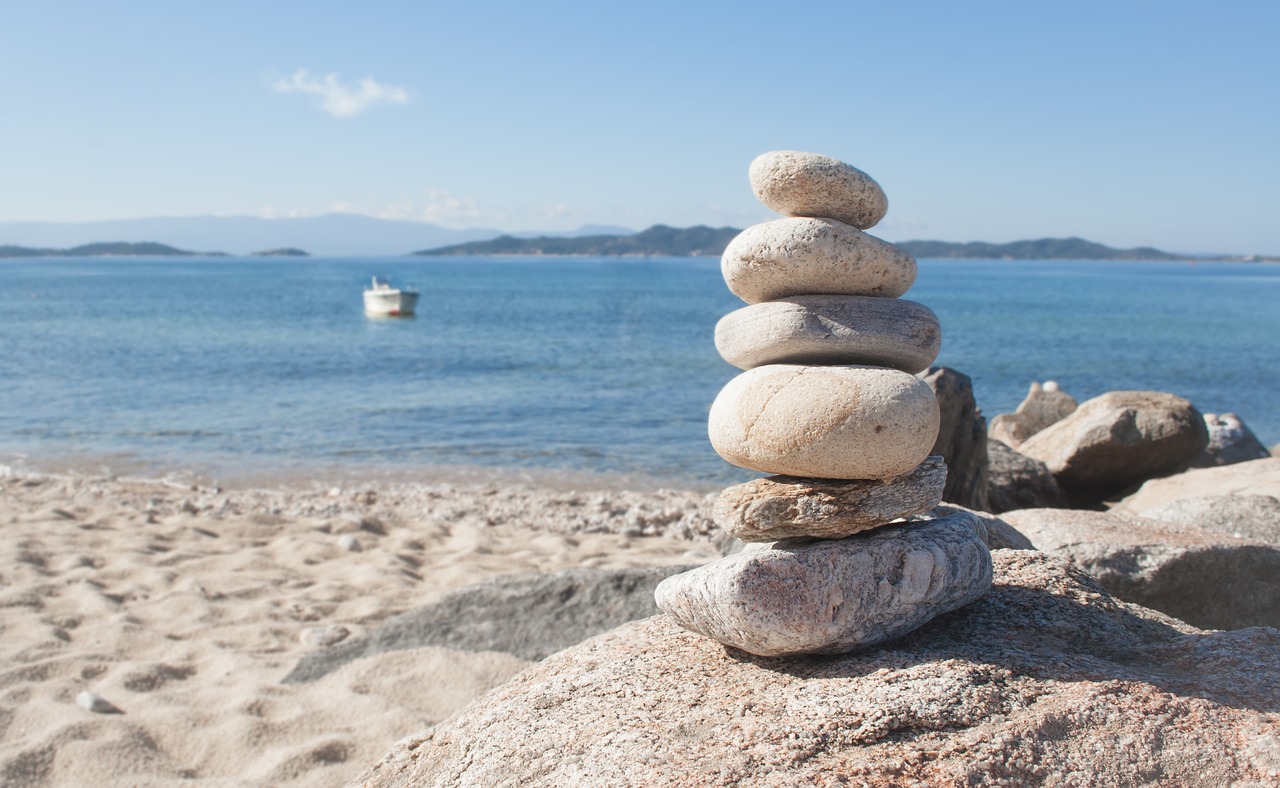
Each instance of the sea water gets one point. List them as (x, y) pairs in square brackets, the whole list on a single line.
[(581, 364)]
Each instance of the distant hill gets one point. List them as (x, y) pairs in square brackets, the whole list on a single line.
[(658, 240), (1043, 249), (335, 234), (285, 252), (661, 240), (113, 249)]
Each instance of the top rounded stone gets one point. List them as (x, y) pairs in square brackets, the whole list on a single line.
[(810, 184)]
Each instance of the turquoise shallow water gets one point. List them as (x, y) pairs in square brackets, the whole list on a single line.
[(597, 365)]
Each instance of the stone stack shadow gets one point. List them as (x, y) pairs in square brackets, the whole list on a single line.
[(830, 404)]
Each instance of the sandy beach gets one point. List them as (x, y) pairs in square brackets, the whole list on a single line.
[(184, 605)]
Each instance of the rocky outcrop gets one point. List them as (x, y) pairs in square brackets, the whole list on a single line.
[(1230, 442), (962, 437), (1117, 441), (1015, 481), (1047, 680), (1210, 580), (1255, 517), (527, 615), (1045, 404), (1257, 477)]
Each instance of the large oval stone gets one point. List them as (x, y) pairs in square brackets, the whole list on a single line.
[(831, 329), (788, 257), (833, 596), (810, 184), (825, 422)]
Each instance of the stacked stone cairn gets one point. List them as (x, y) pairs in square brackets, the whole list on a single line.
[(831, 404)]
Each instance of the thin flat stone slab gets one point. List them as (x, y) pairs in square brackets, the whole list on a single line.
[(810, 184), (783, 507), (788, 257), (833, 596), (825, 422), (831, 329)]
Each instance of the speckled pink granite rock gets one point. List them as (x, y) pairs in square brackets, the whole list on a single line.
[(1047, 680)]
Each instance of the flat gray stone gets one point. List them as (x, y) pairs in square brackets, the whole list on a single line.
[(789, 257), (528, 615), (810, 184), (831, 329), (824, 422), (782, 507), (1117, 441), (833, 596), (1256, 477)]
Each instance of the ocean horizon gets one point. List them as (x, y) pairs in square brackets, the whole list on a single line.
[(237, 367)]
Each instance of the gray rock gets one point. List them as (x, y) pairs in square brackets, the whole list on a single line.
[(1015, 481), (790, 257), (96, 703), (810, 184), (831, 329), (1118, 440), (782, 507), (824, 422), (1230, 442), (833, 596), (1044, 405), (962, 437), (528, 615), (1209, 580), (350, 543), (1255, 517), (1047, 680)]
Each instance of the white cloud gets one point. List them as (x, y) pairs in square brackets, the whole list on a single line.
[(444, 207), (337, 99)]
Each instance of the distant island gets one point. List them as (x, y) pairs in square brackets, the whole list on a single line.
[(285, 252), (657, 241), (663, 241), (110, 249)]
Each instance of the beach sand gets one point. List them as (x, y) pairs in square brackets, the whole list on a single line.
[(184, 605)]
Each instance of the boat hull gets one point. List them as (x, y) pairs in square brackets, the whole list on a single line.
[(390, 303)]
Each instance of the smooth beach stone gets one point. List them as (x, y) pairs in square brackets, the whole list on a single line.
[(825, 422), (788, 257), (781, 507), (833, 596), (831, 329), (810, 184)]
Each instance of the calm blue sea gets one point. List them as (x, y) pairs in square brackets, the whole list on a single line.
[(597, 365)]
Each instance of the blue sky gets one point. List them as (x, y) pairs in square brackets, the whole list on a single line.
[(1124, 122)]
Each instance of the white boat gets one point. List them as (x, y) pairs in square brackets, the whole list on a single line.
[(383, 300)]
